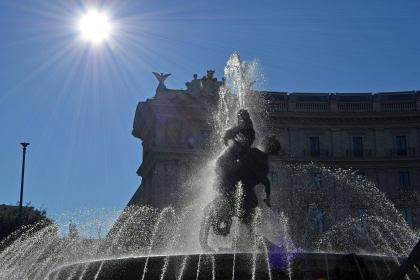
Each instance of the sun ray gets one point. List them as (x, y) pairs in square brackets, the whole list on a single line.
[(37, 71)]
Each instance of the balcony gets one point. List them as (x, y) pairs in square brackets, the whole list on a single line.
[(406, 188), (316, 154), (312, 107), (398, 107), (277, 107), (409, 152), (365, 153), (355, 107)]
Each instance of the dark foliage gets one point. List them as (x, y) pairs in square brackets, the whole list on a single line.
[(30, 217)]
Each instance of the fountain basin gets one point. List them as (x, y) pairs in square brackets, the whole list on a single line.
[(221, 266)]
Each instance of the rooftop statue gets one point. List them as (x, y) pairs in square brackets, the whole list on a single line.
[(194, 85), (161, 78), (208, 85), (210, 74)]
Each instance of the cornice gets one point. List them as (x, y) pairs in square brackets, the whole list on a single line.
[(368, 163)]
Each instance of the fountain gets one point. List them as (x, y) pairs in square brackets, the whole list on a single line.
[(233, 240)]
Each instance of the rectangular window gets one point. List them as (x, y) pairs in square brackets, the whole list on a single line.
[(401, 145), (408, 215), (405, 179), (317, 219), (314, 146), (274, 178), (316, 180), (357, 146), (362, 216)]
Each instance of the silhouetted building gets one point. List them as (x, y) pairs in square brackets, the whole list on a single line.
[(377, 134)]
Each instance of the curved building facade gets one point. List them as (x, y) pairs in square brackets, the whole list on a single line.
[(375, 134)]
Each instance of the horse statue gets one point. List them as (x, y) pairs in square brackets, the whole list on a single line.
[(243, 164)]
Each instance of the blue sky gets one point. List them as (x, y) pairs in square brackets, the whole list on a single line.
[(75, 103)]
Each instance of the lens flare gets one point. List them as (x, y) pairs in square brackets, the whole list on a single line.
[(95, 27)]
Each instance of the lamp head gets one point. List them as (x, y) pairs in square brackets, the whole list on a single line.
[(24, 144)]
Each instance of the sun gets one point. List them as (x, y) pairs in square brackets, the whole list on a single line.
[(95, 27)]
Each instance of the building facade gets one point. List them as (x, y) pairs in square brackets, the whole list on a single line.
[(375, 134)]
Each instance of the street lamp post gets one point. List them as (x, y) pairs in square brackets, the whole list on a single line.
[(22, 180)]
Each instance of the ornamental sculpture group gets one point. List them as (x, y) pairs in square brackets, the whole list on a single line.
[(238, 170)]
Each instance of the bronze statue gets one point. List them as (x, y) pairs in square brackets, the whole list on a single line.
[(242, 136), (240, 163)]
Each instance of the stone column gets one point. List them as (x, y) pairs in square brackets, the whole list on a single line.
[(283, 136), (291, 103), (294, 142), (376, 103), (333, 103), (380, 147), (336, 149), (418, 141)]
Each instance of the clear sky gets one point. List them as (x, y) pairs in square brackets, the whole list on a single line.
[(75, 104)]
